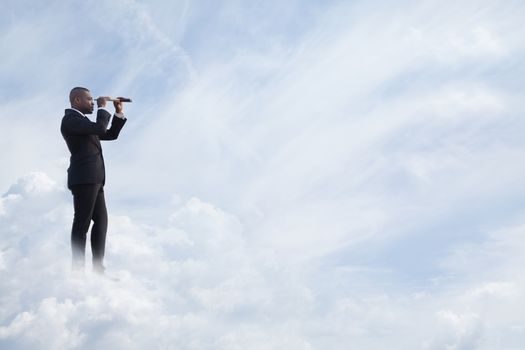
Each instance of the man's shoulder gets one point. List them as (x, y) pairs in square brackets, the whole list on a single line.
[(70, 117), (69, 112)]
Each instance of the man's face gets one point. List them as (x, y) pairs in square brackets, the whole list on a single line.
[(84, 102)]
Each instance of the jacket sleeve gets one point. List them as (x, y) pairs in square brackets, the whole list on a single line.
[(83, 126), (113, 132)]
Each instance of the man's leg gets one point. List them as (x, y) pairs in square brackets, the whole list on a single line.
[(98, 231), (84, 197)]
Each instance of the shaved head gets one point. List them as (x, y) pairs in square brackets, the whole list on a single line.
[(80, 99), (76, 92)]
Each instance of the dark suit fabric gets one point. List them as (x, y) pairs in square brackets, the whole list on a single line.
[(86, 178), (89, 204), (83, 137)]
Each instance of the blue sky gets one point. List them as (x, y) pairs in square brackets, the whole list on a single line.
[(300, 174)]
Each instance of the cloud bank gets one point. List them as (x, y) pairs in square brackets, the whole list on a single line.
[(198, 283)]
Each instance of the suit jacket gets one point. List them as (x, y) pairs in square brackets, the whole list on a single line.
[(83, 137)]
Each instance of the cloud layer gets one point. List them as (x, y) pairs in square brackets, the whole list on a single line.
[(198, 283)]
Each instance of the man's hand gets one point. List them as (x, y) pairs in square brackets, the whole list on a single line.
[(101, 101), (118, 105)]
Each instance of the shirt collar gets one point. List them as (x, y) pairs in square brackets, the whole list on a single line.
[(76, 110)]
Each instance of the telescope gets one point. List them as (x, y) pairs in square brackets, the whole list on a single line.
[(118, 99)]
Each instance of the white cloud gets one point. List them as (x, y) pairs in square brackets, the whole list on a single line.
[(458, 332), (36, 183), (47, 327), (501, 289), (200, 283)]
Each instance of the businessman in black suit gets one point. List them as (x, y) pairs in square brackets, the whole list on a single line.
[(86, 173)]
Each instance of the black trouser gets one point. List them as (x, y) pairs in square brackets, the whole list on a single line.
[(89, 204)]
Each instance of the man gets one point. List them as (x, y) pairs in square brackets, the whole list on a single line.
[(86, 173)]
